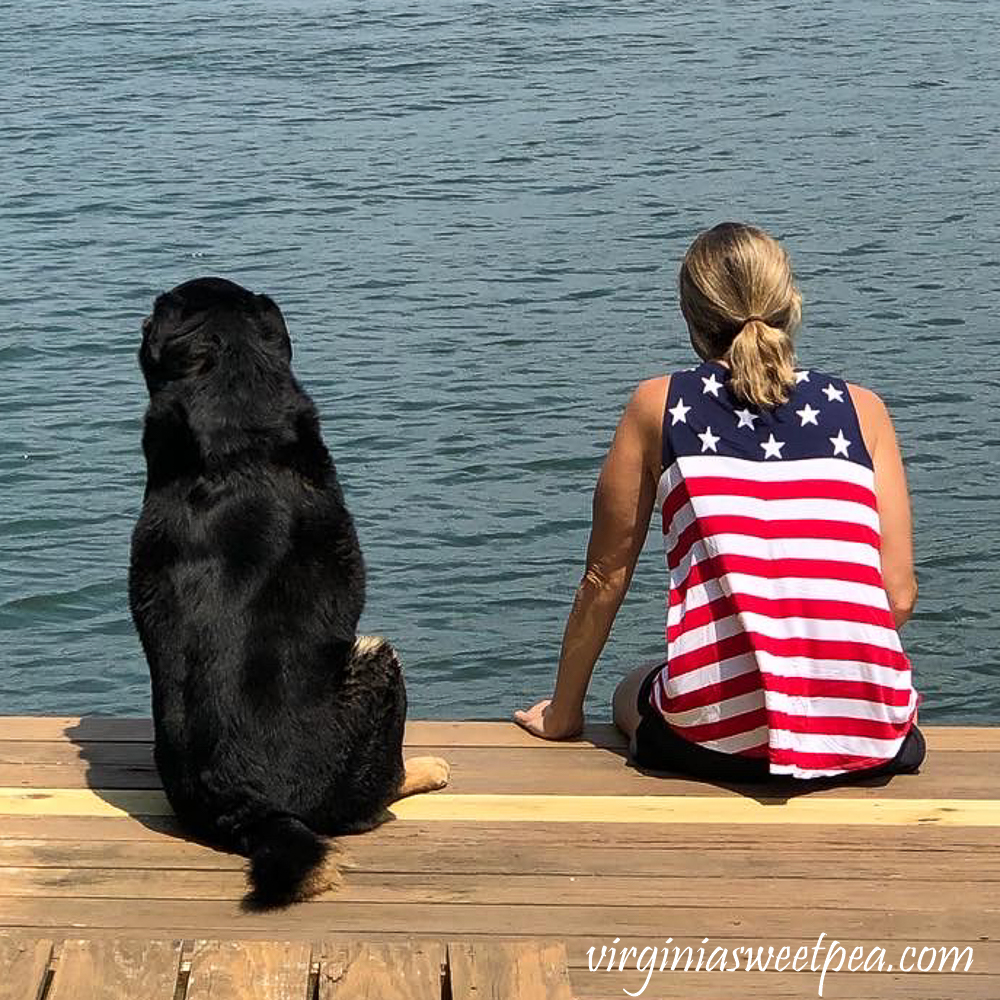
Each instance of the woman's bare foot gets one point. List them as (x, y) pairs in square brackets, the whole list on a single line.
[(423, 774)]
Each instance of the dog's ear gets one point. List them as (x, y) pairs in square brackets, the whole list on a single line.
[(174, 342), (159, 326), (272, 324)]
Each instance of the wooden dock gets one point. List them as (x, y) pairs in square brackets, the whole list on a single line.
[(499, 885)]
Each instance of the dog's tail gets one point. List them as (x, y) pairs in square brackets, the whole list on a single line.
[(288, 862)]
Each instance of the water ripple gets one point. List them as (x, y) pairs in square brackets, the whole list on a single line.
[(472, 215)]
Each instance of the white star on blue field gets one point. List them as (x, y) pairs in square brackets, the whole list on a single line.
[(706, 418)]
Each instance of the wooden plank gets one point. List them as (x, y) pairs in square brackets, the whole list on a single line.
[(784, 986), (418, 733), (928, 896), (81, 802), (504, 734), (593, 772), (24, 965), (67, 727), (82, 855), (657, 809), (427, 733), (949, 774), (63, 752), (104, 776), (139, 757), (382, 971), (183, 918), (249, 970), (145, 829), (712, 839), (510, 855), (476, 772), (985, 967), (662, 809), (595, 954), (505, 970), (116, 970)]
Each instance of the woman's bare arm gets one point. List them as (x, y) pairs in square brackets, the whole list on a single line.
[(895, 523), (622, 507)]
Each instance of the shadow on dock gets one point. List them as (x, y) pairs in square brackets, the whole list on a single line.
[(120, 770), (118, 754)]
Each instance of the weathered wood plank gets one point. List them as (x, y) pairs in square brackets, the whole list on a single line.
[(23, 967), (116, 970), (665, 809), (68, 727), (65, 752), (135, 829), (426, 733), (180, 918), (710, 838), (521, 808), (382, 971), (156, 855), (96, 728), (75, 776), (930, 896), (505, 970), (82, 802), (986, 953), (983, 956), (511, 854), (949, 774), (784, 986), (249, 970)]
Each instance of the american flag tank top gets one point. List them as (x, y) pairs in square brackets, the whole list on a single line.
[(780, 640)]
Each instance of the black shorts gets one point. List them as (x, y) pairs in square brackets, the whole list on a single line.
[(657, 747)]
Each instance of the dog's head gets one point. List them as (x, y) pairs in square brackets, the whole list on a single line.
[(208, 322)]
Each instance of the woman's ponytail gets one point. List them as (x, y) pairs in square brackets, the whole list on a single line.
[(762, 361), (742, 307)]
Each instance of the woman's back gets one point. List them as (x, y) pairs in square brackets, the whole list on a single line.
[(781, 643), (787, 528)]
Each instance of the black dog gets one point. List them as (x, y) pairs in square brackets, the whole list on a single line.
[(275, 723)]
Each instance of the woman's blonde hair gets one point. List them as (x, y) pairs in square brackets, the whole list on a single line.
[(742, 307)]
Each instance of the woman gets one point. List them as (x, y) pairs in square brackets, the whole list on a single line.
[(786, 523)]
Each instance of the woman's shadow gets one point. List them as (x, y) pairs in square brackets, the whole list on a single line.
[(775, 791)]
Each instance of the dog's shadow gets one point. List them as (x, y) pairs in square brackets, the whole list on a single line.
[(121, 772)]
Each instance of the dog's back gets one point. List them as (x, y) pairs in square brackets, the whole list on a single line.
[(246, 585)]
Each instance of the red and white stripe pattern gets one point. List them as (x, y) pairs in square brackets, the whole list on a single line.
[(780, 640)]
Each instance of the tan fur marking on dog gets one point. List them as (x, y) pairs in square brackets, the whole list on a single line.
[(365, 644), (328, 876)]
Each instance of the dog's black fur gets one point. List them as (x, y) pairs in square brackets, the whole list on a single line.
[(273, 724)]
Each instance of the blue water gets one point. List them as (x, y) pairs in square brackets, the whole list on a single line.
[(472, 215)]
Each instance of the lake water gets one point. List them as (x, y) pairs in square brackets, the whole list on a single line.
[(472, 215)]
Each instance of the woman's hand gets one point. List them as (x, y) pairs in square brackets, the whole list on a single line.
[(545, 721)]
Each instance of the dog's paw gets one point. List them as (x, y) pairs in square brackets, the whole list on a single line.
[(427, 773)]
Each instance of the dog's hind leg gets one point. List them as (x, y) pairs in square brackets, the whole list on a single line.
[(374, 664)]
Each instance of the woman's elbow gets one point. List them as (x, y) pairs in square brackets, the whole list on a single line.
[(902, 600), (602, 585)]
